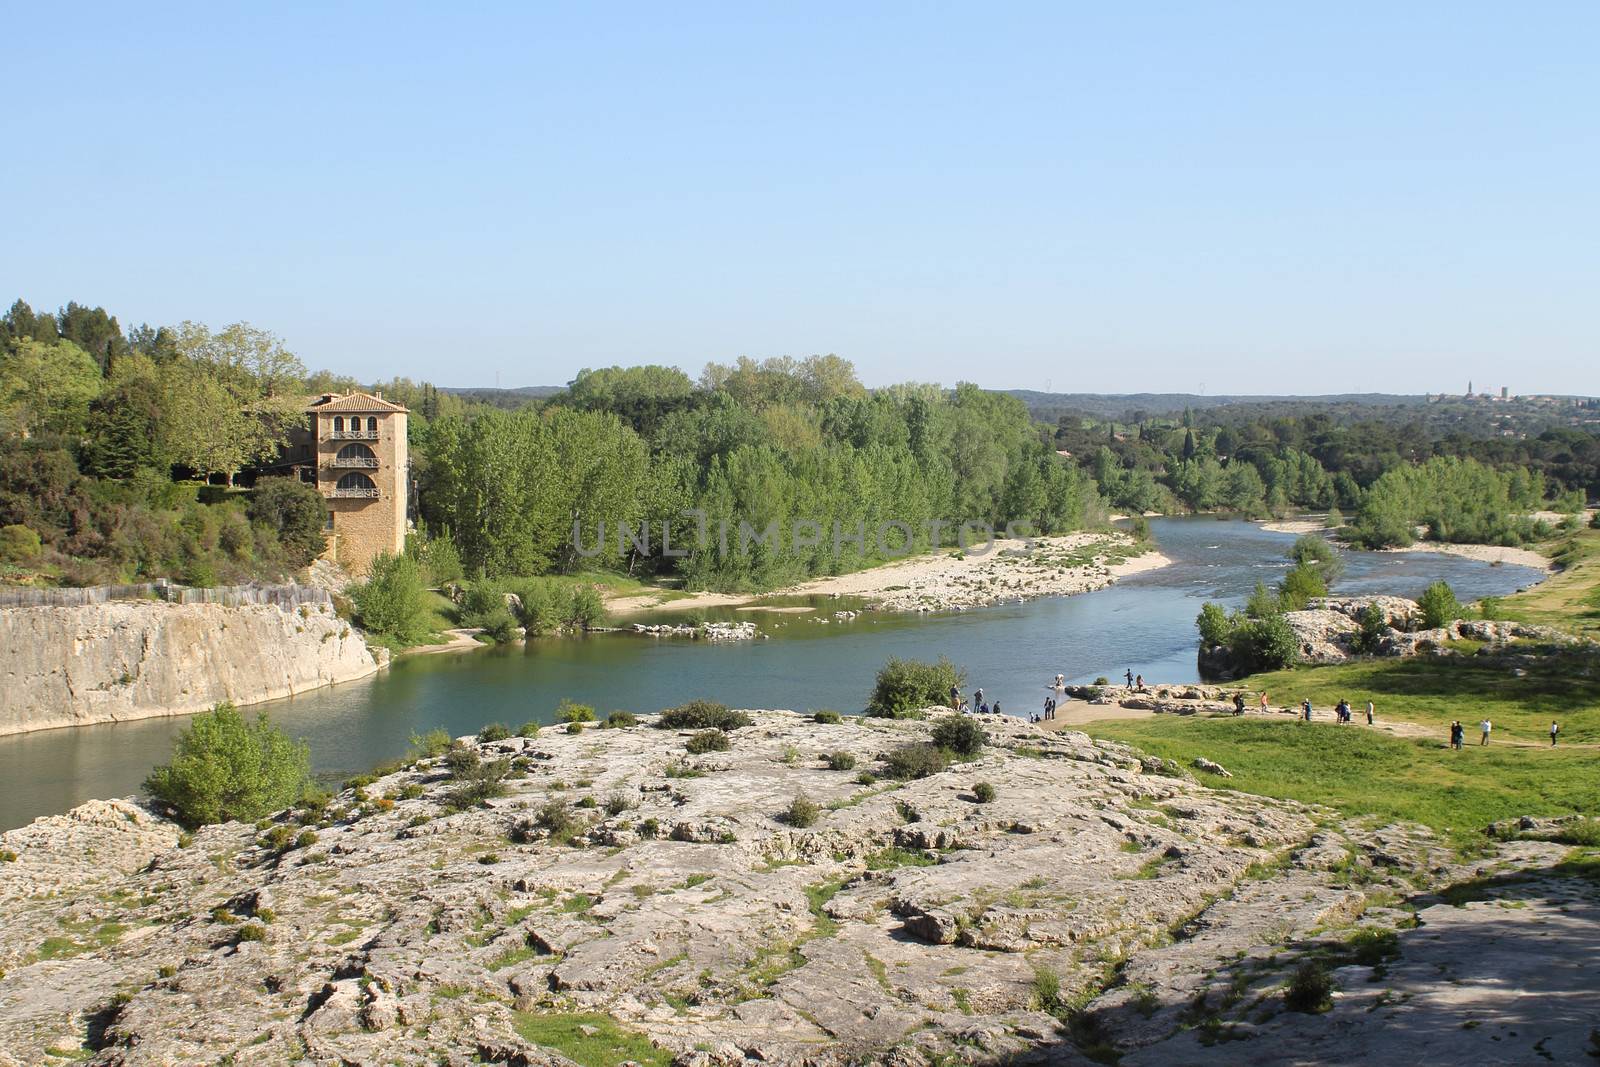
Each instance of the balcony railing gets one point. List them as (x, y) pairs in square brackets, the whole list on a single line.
[(354, 494), (353, 461), (353, 435)]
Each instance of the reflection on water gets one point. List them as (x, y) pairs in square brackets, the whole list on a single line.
[(1144, 624)]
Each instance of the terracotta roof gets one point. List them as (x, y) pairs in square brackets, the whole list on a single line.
[(353, 402)]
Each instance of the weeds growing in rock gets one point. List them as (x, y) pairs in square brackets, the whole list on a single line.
[(559, 821), (983, 792), (960, 735), (620, 720), (841, 761), (617, 803), (251, 932), (866, 778), (826, 718), (916, 760), (1310, 989), (707, 741), (701, 715), (528, 729), (570, 712), (462, 762), (431, 744), (802, 812), (494, 732)]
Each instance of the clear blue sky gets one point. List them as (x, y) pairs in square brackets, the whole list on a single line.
[(1098, 197)]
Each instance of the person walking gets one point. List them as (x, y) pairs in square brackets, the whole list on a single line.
[(1263, 700), (1483, 731), (1370, 710), (1555, 728), (1238, 703), (955, 698), (1305, 706), (1130, 677), (1457, 735)]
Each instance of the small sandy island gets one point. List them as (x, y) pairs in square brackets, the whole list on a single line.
[(1013, 570), (1524, 557)]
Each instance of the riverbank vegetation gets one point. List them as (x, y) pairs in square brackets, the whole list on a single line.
[(226, 767), (1360, 772), (131, 455)]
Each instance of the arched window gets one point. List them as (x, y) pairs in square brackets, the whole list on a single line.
[(372, 424), (338, 424), (355, 485), (355, 455)]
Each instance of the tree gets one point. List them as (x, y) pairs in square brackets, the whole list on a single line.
[(127, 423), (392, 604), (1439, 606), (296, 512), (46, 387), (225, 768)]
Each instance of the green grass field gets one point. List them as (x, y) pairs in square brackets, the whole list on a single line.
[(1362, 772), (1569, 599), (1434, 691)]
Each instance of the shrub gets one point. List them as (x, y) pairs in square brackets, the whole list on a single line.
[(802, 812), (617, 803), (619, 720), (701, 715), (841, 761), (528, 729), (1298, 587), (462, 762), (483, 606), (1313, 551), (392, 603), (827, 718), (296, 512), (1310, 989), (1266, 644), (19, 544), (707, 741), (1214, 624), (1439, 606), (441, 558), (433, 743), (224, 767), (585, 609), (558, 820), (916, 761), (1371, 624), (493, 732), (908, 685), (1594, 521), (1584, 833), (571, 711), (1261, 603), (574, 727), (473, 793), (306, 839), (251, 932), (960, 735), (278, 839), (984, 792), (866, 778)]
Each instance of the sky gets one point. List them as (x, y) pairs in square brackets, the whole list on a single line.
[(1220, 198)]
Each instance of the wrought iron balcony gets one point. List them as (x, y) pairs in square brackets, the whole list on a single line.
[(354, 494), (353, 435), (353, 461)]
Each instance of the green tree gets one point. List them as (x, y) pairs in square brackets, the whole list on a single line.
[(224, 767), (392, 603), (1439, 605), (908, 685), (46, 387)]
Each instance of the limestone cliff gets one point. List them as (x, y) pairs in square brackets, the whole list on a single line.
[(135, 660)]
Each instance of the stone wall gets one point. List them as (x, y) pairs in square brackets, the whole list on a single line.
[(73, 666)]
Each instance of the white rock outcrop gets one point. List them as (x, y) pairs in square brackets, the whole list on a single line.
[(135, 660)]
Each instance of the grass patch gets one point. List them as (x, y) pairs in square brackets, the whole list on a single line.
[(1363, 772), (1433, 692), (591, 1040)]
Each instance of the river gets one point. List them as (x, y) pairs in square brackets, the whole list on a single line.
[(1144, 623)]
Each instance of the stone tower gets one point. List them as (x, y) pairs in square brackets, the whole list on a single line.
[(358, 441)]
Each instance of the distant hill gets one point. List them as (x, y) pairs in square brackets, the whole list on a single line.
[(502, 398), (1049, 406)]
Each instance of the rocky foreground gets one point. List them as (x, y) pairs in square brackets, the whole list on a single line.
[(628, 900)]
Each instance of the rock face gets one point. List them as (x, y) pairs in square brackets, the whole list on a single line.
[(135, 660), (623, 882)]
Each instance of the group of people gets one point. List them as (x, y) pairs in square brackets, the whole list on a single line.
[(979, 705), (1458, 733), (1342, 712)]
